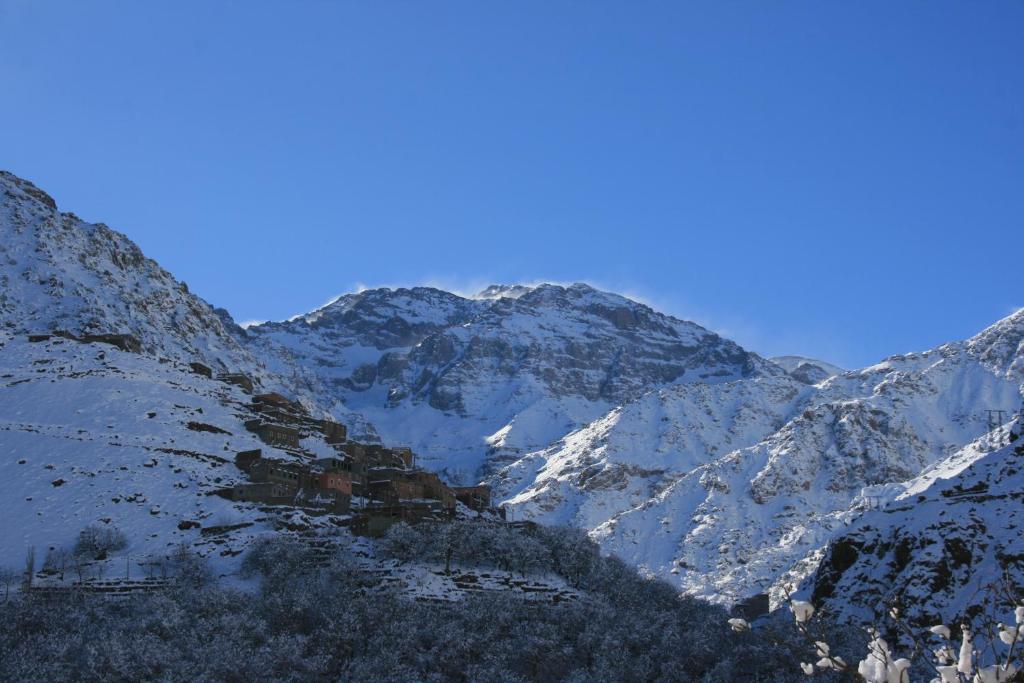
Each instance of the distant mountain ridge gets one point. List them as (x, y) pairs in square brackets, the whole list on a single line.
[(807, 370), (753, 518), (472, 383)]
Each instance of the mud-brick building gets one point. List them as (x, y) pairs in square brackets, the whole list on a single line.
[(278, 401), (352, 468), (245, 459), (334, 432), (436, 489), (354, 451), (377, 519), (474, 497), (381, 456), (345, 464), (279, 472), (268, 493), (330, 501), (406, 455), (274, 434), (335, 481), (238, 379), (392, 485)]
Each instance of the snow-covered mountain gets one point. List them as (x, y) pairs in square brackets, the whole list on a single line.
[(90, 434), (946, 543), (475, 383), (58, 272), (684, 453), (740, 521)]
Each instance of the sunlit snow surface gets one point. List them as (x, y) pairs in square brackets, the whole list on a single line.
[(91, 434)]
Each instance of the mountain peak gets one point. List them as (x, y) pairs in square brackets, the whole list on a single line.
[(13, 186), (502, 292)]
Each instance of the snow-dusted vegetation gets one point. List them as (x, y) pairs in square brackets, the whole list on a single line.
[(980, 650), (309, 617)]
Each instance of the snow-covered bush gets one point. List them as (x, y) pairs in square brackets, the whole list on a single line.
[(480, 543), (952, 655), (97, 541)]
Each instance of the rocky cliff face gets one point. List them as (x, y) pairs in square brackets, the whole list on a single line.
[(939, 545), (474, 383)]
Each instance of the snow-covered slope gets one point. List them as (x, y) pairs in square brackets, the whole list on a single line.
[(803, 463), (90, 434), (58, 272), (947, 537), (474, 383), (628, 456)]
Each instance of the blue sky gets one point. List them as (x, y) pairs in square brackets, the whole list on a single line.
[(835, 179)]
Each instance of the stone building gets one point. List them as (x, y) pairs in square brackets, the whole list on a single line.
[(238, 379), (474, 497)]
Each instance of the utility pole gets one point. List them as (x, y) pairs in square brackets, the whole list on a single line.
[(996, 418)]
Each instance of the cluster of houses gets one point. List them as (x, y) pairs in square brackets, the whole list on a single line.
[(375, 485)]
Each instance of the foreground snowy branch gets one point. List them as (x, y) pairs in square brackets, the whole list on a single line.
[(950, 662)]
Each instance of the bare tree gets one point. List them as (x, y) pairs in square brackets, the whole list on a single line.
[(7, 577), (80, 564), (30, 566), (99, 541), (56, 561)]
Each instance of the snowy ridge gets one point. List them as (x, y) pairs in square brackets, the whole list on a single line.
[(92, 434), (807, 370), (58, 272), (791, 363), (473, 384), (940, 544), (732, 523)]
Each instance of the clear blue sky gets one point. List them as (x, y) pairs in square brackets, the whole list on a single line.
[(843, 179)]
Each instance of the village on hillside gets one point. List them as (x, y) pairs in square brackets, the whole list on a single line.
[(372, 485), (377, 485)]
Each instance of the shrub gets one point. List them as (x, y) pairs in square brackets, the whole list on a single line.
[(97, 542)]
